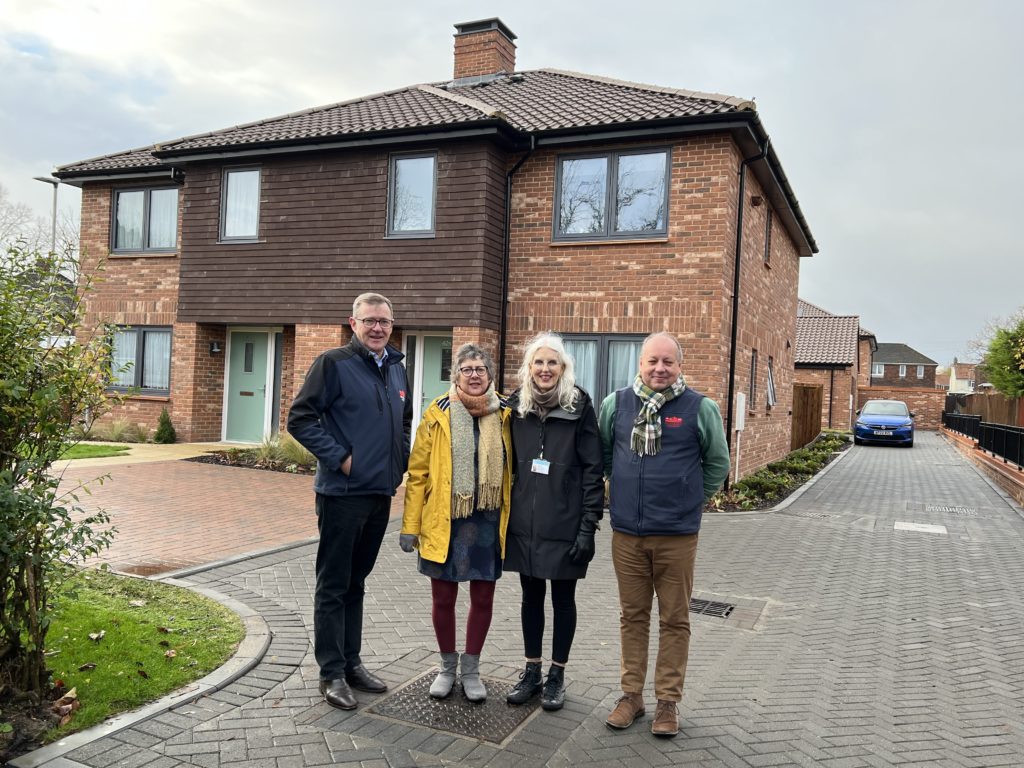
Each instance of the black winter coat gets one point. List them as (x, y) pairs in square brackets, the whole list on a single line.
[(547, 509)]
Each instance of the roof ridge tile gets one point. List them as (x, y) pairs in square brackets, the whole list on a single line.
[(733, 101), (466, 101)]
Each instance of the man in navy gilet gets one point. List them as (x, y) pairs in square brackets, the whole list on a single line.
[(354, 413), (665, 454)]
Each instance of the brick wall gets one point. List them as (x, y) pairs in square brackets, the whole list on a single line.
[(925, 404), (197, 381), (483, 53), (864, 362), (837, 386), (892, 378), (681, 283)]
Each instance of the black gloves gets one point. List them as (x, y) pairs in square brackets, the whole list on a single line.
[(582, 551)]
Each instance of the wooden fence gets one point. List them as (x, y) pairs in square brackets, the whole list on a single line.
[(993, 408), (806, 414)]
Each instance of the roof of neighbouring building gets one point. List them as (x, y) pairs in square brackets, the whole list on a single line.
[(543, 103), (826, 339), (901, 354), (806, 309)]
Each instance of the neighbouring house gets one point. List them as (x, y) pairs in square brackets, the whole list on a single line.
[(831, 351), (962, 377), (487, 206), (942, 378), (897, 365)]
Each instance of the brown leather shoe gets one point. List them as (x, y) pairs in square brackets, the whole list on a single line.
[(666, 719), (627, 709), (337, 693), (362, 679)]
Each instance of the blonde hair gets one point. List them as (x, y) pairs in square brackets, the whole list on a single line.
[(566, 382)]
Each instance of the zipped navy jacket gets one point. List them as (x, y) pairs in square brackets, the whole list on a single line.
[(349, 407)]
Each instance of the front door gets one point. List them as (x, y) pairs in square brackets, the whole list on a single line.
[(247, 387), (428, 361)]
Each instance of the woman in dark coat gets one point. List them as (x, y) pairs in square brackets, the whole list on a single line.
[(557, 500)]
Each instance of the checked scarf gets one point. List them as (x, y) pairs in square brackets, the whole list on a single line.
[(479, 482), (646, 436)]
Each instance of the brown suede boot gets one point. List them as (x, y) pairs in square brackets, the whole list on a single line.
[(666, 719), (627, 709)]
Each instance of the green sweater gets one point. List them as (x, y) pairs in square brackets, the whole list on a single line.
[(713, 448)]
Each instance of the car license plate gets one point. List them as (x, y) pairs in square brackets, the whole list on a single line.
[(887, 432)]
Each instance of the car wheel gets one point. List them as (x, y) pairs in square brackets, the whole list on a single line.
[(857, 440), (910, 444)]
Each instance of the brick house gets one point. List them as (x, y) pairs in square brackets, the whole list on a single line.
[(897, 365), (962, 377), (487, 207), (833, 352)]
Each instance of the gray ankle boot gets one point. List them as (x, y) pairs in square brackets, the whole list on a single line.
[(472, 686), (445, 679)]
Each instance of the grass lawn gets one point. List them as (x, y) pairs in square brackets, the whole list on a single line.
[(122, 642), (93, 451)]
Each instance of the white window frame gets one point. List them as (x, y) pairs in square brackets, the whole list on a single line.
[(903, 371), (877, 370), (920, 371)]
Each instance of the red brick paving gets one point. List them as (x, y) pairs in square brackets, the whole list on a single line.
[(171, 515)]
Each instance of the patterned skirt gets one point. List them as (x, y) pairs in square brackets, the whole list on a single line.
[(474, 550)]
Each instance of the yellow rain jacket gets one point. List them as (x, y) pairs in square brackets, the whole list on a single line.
[(428, 489)]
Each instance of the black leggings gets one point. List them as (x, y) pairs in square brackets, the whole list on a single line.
[(563, 605)]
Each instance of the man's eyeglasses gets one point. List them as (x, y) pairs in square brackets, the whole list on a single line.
[(369, 322), (479, 370)]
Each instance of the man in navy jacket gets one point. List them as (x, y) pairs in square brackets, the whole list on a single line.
[(354, 413)]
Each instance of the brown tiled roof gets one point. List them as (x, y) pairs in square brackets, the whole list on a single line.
[(827, 339), (535, 101), (131, 160)]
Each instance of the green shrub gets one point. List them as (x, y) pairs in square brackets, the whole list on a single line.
[(293, 452), (164, 429)]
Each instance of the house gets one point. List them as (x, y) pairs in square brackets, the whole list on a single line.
[(962, 377), (897, 365), (488, 207), (833, 353), (942, 378)]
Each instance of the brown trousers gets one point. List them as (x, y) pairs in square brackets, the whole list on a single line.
[(645, 565)]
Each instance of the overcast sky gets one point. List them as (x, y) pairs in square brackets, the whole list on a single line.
[(892, 118)]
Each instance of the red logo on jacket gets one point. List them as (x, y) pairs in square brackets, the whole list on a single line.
[(673, 421), (401, 394)]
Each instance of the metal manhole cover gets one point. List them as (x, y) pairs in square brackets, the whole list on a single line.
[(493, 720), (952, 509), (711, 608)]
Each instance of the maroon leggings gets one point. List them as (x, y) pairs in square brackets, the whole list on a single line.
[(481, 604)]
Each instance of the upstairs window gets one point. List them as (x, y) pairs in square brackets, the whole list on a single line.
[(920, 371), (613, 195), (141, 360), (878, 369), (411, 194), (240, 204), (903, 371), (145, 219)]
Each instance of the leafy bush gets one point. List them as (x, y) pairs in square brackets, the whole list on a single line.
[(46, 390), (164, 429)]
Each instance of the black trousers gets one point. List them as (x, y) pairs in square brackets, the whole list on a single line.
[(351, 531), (563, 609)]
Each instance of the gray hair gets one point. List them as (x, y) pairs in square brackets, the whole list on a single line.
[(472, 352), (370, 298), (566, 382), (670, 337)]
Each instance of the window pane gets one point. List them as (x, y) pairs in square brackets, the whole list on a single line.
[(163, 218), (583, 191), (771, 382), (413, 206), (250, 349), (128, 233), (584, 355), (241, 209), (156, 362), (123, 359), (640, 193), (623, 363)]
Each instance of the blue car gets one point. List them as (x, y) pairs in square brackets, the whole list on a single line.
[(884, 421)]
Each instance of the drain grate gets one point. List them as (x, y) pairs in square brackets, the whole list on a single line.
[(814, 515), (493, 720), (951, 509), (711, 608)]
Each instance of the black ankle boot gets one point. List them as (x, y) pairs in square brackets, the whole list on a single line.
[(529, 684), (554, 689)]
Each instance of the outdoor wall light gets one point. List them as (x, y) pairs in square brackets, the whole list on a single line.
[(214, 347)]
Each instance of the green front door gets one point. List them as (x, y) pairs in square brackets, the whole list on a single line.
[(437, 368), (247, 387)]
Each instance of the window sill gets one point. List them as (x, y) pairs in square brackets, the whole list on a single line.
[(242, 241), (633, 241), (412, 236), (143, 254), (153, 398)]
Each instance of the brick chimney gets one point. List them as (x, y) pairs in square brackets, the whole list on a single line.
[(483, 48)]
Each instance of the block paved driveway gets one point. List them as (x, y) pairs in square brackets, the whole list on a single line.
[(853, 644)]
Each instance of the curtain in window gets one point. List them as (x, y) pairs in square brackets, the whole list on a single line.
[(156, 363), (584, 355), (163, 218), (129, 220), (623, 363), (123, 359), (241, 212)]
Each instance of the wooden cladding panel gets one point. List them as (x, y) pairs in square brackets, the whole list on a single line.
[(322, 242)]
